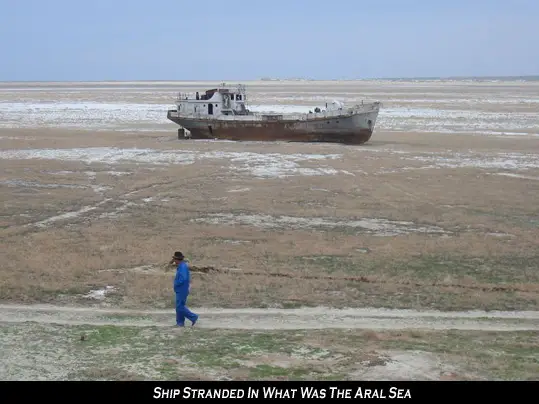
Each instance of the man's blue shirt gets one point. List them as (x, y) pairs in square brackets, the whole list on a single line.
[(182, 279)]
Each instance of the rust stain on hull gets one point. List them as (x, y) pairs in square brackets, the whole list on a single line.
[(221, 113), (319, 130)]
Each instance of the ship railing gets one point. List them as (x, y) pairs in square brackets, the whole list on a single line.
[(186, 96), (262, 115), (330, 113), (189, 96)]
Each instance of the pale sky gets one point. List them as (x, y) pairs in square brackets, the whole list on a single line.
[(60, 40)]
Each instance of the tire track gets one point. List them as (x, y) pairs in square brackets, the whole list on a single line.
[(278, 319)]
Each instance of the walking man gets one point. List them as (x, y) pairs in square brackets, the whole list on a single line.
[(182, 284)]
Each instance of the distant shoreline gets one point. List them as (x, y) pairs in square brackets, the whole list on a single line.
[(283, 80)]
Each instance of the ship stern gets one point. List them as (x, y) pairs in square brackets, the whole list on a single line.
[(172, 115)]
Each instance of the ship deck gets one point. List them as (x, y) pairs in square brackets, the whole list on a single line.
[(271, 116)]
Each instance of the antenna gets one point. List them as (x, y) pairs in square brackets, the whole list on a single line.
[(241, 90)]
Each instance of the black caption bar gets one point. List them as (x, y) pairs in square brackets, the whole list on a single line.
[(416, 391)]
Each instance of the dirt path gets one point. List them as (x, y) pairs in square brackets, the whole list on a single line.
[(272, 319)]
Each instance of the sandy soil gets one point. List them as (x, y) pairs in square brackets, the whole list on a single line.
[(275, 319), (437, 214), (43, 342), (421, 217)]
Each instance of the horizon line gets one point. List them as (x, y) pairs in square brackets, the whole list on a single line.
[(278, 79)]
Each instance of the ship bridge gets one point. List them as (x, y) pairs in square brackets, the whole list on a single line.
[(215, 101)]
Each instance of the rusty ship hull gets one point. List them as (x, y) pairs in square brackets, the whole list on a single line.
[(355, 128), (221, 113)]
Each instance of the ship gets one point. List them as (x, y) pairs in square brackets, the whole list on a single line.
[(222, 113)]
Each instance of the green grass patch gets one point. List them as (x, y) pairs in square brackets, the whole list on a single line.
[(58, 352), (431, 267)]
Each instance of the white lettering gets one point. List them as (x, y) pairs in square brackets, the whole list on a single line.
[(252, 393), (399, 393), (165, 393), (340, 393), (273, 392), (368, 393), (311, 392), (188, 392)]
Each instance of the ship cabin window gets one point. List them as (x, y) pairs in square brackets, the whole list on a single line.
[(238, 96)]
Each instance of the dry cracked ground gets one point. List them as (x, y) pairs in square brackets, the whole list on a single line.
[(429, 225)]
